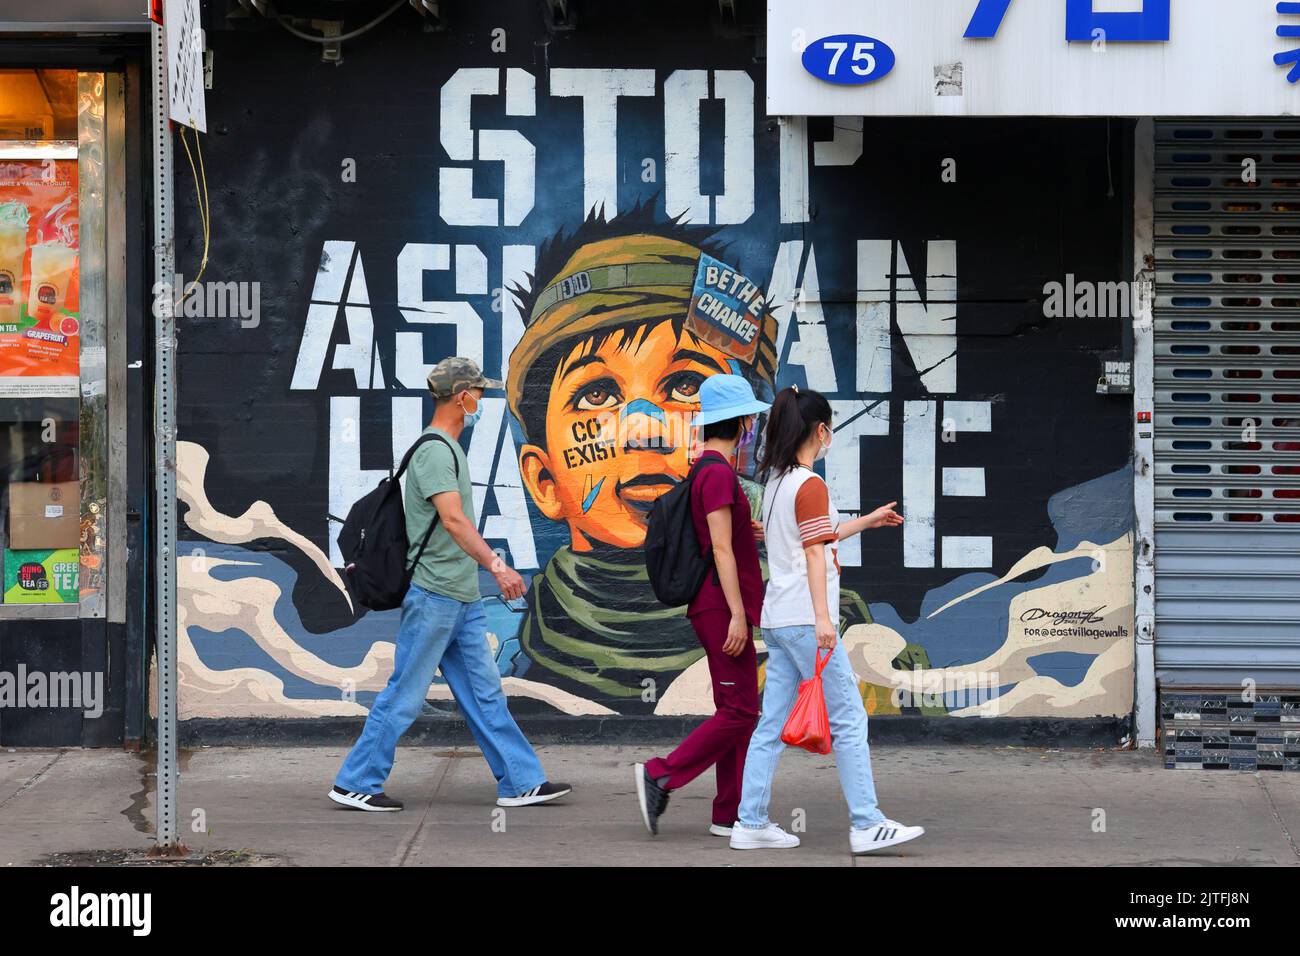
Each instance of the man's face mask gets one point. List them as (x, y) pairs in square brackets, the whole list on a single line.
[(471, 417)]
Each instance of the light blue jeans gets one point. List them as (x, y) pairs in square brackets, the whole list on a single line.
[(791, 658), (436, 632)]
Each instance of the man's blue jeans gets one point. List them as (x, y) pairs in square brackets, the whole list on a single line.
[(438, 631), (791, 658)]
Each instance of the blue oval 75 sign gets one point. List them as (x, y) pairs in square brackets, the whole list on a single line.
[(848, 59)]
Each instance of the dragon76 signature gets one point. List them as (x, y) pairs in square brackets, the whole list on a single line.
[(1064, 617)]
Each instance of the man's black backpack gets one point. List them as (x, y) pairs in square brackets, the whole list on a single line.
[(672, 549), (373, 541)]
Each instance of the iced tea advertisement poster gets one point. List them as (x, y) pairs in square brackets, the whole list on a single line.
[(39, 324), (41, 577)]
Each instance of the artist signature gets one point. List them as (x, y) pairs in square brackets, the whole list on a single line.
[(1065, 617)]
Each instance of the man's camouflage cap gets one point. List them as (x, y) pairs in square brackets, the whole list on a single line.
[(456, 374)]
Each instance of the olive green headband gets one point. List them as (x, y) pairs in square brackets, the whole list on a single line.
[(638, 275)]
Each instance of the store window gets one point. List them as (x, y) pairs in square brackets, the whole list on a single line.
[(54, 461)]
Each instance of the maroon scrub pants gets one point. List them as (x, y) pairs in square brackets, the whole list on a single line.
[(721, 741)]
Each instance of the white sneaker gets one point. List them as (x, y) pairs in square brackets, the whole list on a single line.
[(543, 793), (717, 829), (884, 834), (770, 837)]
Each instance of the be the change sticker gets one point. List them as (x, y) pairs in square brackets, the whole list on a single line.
[(726, 309)]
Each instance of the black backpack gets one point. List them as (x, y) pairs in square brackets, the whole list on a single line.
[(673, 560), (373, 541)]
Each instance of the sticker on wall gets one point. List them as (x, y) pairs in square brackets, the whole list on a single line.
[(726, 309), (41, 577)]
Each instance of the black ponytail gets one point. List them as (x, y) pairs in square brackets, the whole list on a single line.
[(794, 416)]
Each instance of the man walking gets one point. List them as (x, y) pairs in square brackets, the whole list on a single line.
[(443, 622)]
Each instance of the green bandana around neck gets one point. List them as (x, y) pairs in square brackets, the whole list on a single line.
[(594, 621)]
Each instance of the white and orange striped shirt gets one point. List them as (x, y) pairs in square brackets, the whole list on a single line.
[(797, 512)]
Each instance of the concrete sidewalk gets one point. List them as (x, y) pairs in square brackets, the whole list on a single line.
[(980, 806)]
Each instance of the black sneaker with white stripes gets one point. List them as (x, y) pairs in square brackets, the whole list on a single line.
[(651, 796), (374, 802), (543, 794)]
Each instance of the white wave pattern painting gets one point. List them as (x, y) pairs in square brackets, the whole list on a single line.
[(248, 604)]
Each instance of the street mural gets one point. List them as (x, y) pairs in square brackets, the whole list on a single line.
[(604, 238), (603, 384)]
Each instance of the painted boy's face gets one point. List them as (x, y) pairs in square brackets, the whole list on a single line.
[(618, 431)]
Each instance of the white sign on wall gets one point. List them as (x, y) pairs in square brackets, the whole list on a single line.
[(1033, 58), (185, 64)]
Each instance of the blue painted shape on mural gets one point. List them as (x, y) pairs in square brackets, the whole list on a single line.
[(1068, 667), (1100, 511), (590, 500), (1148, 25), (503, 623), (643, 406), (972, 696), (232, 649), (511, 659)]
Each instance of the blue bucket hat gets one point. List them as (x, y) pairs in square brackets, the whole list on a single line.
[(727, 396)]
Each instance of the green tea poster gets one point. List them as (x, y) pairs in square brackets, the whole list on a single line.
[(41, 577)]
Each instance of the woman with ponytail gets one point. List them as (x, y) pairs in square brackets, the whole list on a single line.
[(800, 611)]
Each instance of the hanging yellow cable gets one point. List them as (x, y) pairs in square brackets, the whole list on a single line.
[(201, 200)]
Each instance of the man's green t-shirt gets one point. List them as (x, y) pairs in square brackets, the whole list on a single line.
[(444, 568)]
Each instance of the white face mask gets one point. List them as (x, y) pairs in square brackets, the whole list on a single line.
[(822, 450)]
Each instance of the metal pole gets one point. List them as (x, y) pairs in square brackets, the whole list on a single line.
[(164, 423)]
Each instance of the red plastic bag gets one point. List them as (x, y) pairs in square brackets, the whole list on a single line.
[(808, 726)]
